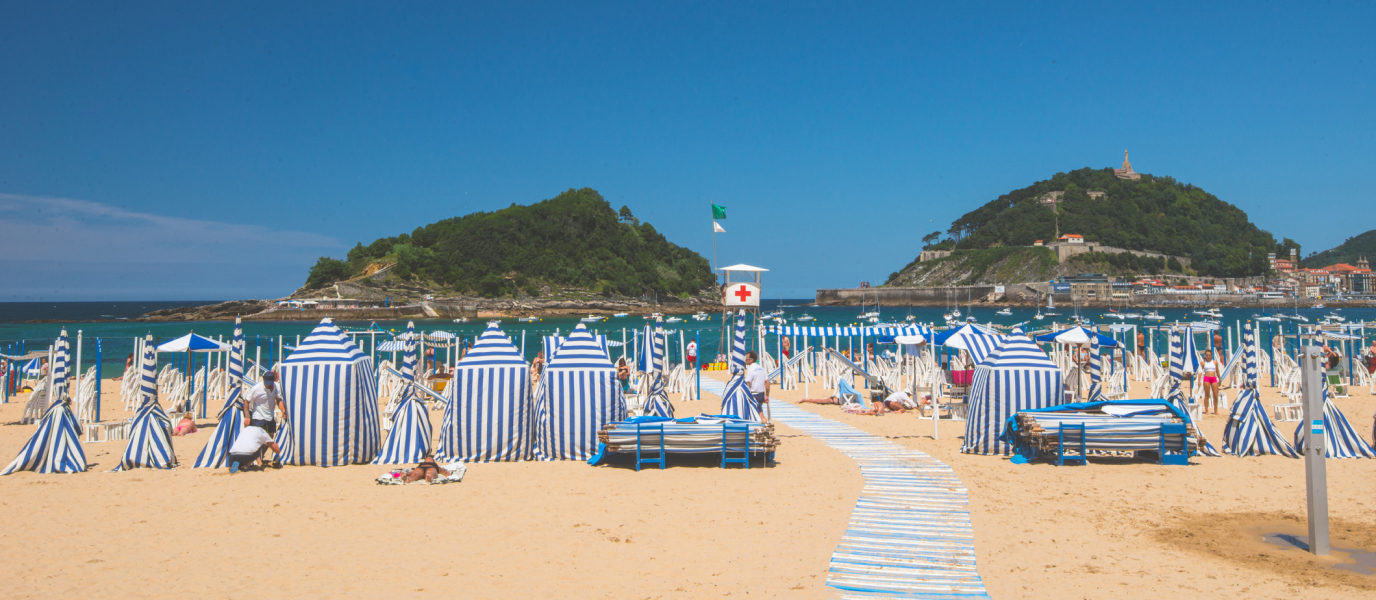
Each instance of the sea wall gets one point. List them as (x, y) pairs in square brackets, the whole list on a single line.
[(905, 296)]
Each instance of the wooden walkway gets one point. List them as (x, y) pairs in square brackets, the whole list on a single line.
[(910, 534)]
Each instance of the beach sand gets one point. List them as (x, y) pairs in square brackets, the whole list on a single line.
[(1114, 529)]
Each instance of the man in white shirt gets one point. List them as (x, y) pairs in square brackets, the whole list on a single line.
[(248, 448), (756, 380), (693, 354), (260, 402)]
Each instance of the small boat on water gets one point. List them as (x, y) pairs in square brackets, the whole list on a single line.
[(673, 320), (805, 318), (528, 319), (654, 316), (590, 319), (1007, 312), (461, 320), (1153, 316), (702, 316), (1213, 312), (1319, 305), (1132, 315), (1039, 316), (1336, 318), (619, 315)]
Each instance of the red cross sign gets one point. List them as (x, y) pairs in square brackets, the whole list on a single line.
[(743, 293), (740, 294)]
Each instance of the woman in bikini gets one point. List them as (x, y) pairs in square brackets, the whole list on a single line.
[(1211, 371), (186, 426), (426, 469), (623, 374)]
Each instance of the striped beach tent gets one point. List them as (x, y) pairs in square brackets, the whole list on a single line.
[(488, 415), (658, 404), (1186, 348), (1015, 376), (551, 343), (1340, 437), (976, 340), (848, 331), (409, 439), (738, 344), (216, 452), (1181, 349), (650, 357), (1249, 431), (56, 446), (1095, 371), (150, 434), (737, 401), (578, 394), (330, 390)]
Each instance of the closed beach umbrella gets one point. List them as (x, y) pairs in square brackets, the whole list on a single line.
[(1182, 349), (330, 390), (1249, 431), (1095, 373), (56, 446), (658, 404), (738, 402), (231, 416), (1340, 437), (578, 395), (409, 439), (738, 344), (488, 416), (150, 435)]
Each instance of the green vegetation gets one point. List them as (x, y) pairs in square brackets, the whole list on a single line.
[(1348, 252), (1154, 213), (1124, 263), (982, 266), (575, 239)]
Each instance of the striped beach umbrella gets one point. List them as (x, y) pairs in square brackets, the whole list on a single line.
[(409, 439), (488, 416), (975, 339), (658, 404), (1249, 431), (1095, 373), (738, 402), (1015, 376), (56, 446), (738, 344), (1340, 437), (231, 416), (150, 434), (330, 391), (578, 395)]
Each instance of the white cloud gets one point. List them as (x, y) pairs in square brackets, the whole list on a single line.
[(61, 248)]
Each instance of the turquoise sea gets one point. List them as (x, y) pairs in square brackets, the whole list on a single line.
[(90, 319)]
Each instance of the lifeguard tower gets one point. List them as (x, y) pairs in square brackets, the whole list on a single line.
[(742, 287)]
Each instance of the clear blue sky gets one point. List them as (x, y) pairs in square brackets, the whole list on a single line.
[(213, 150)]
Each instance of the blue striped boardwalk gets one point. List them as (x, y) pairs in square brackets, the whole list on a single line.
[(910, 534)]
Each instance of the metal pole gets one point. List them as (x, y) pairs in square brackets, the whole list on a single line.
[(78, 367), (697, 335), (1315, 450)]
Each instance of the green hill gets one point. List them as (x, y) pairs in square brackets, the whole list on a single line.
[(1153, 213), (1350, 250), (575, 239)]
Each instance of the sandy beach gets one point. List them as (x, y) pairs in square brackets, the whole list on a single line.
[(1114, 529)]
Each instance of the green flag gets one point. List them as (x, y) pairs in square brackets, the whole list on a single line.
[(718, 211)]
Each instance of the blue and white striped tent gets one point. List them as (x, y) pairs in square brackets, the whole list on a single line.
[(1342, 439), (330, 391), (737, 401), (1181, 349), (1095, 371), (1189, 353), (56, 446), (650, 355), (488, 416), (231, 416), (658, 405), (1249, 431), (738, 344), (976, 340), (32, 369), (409, 439), (551, 343), (1015, 376), (150, 435), (578, 395)]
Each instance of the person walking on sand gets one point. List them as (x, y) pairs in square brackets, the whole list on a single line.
[(693, 354), (756, 379), (1211, 369)]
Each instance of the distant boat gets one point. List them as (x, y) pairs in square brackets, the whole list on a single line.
[(528, 319), (1213, 312), (1153, 316), (1338, 318), (654, 316), (806, 317), (1007, 312), (619, 315), (461, 320), (1039, 316), (702, 316), (673, 320), (590, 319)]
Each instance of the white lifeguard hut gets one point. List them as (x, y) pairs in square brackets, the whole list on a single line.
[(742, 287)]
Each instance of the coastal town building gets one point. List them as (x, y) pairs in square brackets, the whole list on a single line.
[(1126, 172), (1071, 238), (1038, 244), (1096, 194)]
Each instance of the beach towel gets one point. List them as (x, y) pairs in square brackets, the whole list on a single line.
[(456, 473)]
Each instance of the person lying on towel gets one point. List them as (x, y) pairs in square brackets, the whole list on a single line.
[(426, 469), (248, 448)]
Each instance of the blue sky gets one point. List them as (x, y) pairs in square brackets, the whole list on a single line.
[(214, 150)]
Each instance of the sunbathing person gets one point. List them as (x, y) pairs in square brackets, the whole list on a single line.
[(831, 400), (426, 469), (186, 426)]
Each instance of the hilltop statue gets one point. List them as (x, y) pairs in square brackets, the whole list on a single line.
[(1126, 172)]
